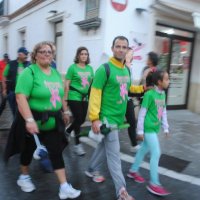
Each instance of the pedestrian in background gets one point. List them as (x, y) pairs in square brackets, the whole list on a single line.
[(3, 64), (152, 62), (40, 101), (10, 76), (152, 114), (130, 112), (77, 83)]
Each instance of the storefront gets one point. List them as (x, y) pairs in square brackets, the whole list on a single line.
[(175, 47)]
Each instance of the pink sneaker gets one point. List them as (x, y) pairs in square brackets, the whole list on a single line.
[(136, 177), (158, 190), (96, 176), (123, 195)]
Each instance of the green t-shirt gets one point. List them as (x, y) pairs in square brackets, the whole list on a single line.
[(154, 102), (44, 92), (19, 70), (80, 79), (114, 93)]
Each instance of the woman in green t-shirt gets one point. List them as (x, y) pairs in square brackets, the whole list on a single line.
[(77, 83), (39, 94)]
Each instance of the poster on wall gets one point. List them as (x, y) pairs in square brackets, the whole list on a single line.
[(119, 5), (138, 42)]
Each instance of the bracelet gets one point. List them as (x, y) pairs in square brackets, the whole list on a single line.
[(29, 120), (67, 112)]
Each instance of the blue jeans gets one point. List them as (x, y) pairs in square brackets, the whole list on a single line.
[(150, 143), (12, 102)]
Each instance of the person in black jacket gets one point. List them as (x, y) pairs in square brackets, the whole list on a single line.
[(11, 73)]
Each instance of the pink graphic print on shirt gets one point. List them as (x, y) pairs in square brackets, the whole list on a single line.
[(123, 90), (54, 96), (160, 112), (84, 81)]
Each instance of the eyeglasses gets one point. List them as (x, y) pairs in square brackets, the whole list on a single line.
[(84, 54), (45, 52)]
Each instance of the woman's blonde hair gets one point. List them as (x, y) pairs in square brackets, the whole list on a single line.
[(39, 46)]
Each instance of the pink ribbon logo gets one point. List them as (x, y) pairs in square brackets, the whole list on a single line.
[(160, 112), (123, 90), (54, 97), (84, 81)]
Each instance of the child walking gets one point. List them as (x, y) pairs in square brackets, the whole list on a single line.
[(152, 114)]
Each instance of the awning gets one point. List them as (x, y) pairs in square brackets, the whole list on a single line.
[(177, 11)]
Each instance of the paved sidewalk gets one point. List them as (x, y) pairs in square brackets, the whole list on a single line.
[(179, 162)]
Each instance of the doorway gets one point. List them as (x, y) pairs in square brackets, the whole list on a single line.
[(59, 42), (175, 48)]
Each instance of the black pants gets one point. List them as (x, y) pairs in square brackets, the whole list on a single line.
[(52, 140), (3, 104), (130, 117), (79, 111)]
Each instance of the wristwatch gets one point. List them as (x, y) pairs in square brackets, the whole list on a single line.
[(30, 119)]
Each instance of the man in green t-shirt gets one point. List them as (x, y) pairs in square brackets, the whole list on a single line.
[(10, 75), (108, 100)]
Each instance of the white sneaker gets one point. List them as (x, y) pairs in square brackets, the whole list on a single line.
[(134, 149), (26, 184), (69, 192), (73, 134), (79, 150)]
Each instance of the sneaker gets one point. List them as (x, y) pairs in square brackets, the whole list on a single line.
[(79, 150), (26, 184), (96, 176), (123, 195), (69, 192), (134, 149), (67, 134), (158, 190), (137, 178), (73, 134)]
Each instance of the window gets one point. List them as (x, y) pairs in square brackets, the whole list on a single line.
[(5, 45), (1, 8), (92, 20), (92, 9), (22, 37)]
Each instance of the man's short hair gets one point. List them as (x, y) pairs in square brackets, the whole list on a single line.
[(5, 55), (153, 57), (120, 37)]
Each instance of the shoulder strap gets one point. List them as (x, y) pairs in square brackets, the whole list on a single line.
[(107, 69), (129, 71)]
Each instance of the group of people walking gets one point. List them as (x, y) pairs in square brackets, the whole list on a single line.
[(44, 105)]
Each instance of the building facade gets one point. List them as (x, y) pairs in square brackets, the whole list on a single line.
[(168, 27)]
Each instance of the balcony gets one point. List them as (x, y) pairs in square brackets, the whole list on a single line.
[(88, 24), (4, 21)]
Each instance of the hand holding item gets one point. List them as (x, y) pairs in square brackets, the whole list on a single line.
[(96, 126), (140, 137), (31, 126)]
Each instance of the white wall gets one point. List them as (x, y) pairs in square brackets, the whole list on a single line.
[(36, 26), (127, 22)]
